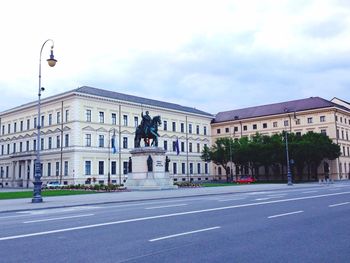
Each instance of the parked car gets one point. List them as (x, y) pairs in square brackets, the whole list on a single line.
[(245, 180), (53, 185)]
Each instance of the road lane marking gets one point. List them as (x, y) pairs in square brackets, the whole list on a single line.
[(57, 218), (339, 204), (277, 195), (184, 233), (58, 210), (231, 199), (167, 216), (309, 192), (286, 214), (165, 206), (263, 198)]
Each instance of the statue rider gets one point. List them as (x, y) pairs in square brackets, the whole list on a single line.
[(146, 122)]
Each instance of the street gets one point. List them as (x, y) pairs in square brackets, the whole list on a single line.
[(292, 225)]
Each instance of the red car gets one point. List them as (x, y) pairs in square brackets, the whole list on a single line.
[(246, 180)]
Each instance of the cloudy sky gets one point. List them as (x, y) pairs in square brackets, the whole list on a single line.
[(212, 55)]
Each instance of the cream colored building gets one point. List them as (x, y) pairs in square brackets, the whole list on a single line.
[(299, 116), (77, 127)]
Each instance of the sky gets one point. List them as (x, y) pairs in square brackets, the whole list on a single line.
[(211, 55)]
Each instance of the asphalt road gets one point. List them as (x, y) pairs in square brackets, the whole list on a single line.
[(295, 225)]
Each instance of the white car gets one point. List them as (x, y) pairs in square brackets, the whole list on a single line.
[(53, 185)]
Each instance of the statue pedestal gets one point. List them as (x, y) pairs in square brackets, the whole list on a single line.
[(148, 178)]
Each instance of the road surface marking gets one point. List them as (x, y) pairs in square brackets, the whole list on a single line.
[(286, 214), (309, 192), (185, 233), (339, 204), (167, 216), (276, 195), (57, 218), (165, 206), (231, 199), (263, 198), (58, 210)]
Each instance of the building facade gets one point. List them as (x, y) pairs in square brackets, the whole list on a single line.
[(300, 116), (76, 132)]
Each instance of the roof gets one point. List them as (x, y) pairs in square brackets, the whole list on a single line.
[(139, 100), (274, 109)]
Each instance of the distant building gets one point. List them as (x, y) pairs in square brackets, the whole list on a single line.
[(77, 127), (299, 116)]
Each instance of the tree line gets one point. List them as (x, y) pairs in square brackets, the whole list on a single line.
[(266, 155)]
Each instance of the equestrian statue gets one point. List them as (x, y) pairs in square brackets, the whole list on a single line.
[(148, 129)]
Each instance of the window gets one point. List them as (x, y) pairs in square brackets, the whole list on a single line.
[(298, 133), (114, 118), (322, 118), (101, 117), (48, 169), (174, 168), (35, 123), (8, 148), (2, 149), (174, 126), (341, 119), (15, 127), (27, 146), (190, 147), (245, 128), (206, 168), (197, 129), (182, 146), (235, 129), (14, 147), (297, 121), (183, 168), (165, 125), (65, 168), (28, 124), (264, 125), (286, 123), (125, 120), (165, 145), (66, 140), (191, 168), (255, 126), (342, 135), (87, 167), (50, 143), (218, 131), (347, 136), (274, 124), (67, 115), (50, 119), (309, 120), (125, 143), (337, 134), (101, 140), (227, 130), (34, 145), (88, 115), (198, 147), (41, 143), (57, 168), (182, 127), (205, 130), (58, 117), (88, 140), (174, 146), (189, 128), (136, 121), (198, 168), (336, 118), (3, 130), (324, 132), (42, 123), (20, 146), (114, 167), (58, 141)]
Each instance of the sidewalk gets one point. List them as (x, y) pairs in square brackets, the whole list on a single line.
[(16, 205)]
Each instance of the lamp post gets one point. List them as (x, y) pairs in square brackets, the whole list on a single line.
[(109, 153), (289, 174), (37, 175)]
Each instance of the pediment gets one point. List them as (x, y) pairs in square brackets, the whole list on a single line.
[(88, 128)]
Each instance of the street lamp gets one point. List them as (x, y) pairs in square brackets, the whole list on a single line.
[(289, 174), (37, 175), (109, 152)]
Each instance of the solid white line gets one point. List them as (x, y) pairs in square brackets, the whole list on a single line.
[(277, 195), (57, 218), (339, 204), (185, 233), (262, 199), (309, 192), (286, 214), (165, 206), (168, 215), (232, 199)]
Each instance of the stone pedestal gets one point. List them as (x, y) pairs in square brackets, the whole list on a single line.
[(141, 178)]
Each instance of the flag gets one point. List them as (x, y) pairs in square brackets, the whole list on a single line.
[(177, 148), (113, 144)]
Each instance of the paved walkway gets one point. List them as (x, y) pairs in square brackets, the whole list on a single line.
[(12, 205)]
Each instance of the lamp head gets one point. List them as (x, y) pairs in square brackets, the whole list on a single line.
[(51, 61)]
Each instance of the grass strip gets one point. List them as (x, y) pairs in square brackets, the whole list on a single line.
[(29, 194)]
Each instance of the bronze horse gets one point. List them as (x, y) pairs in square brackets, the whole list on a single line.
[(148, 133)]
